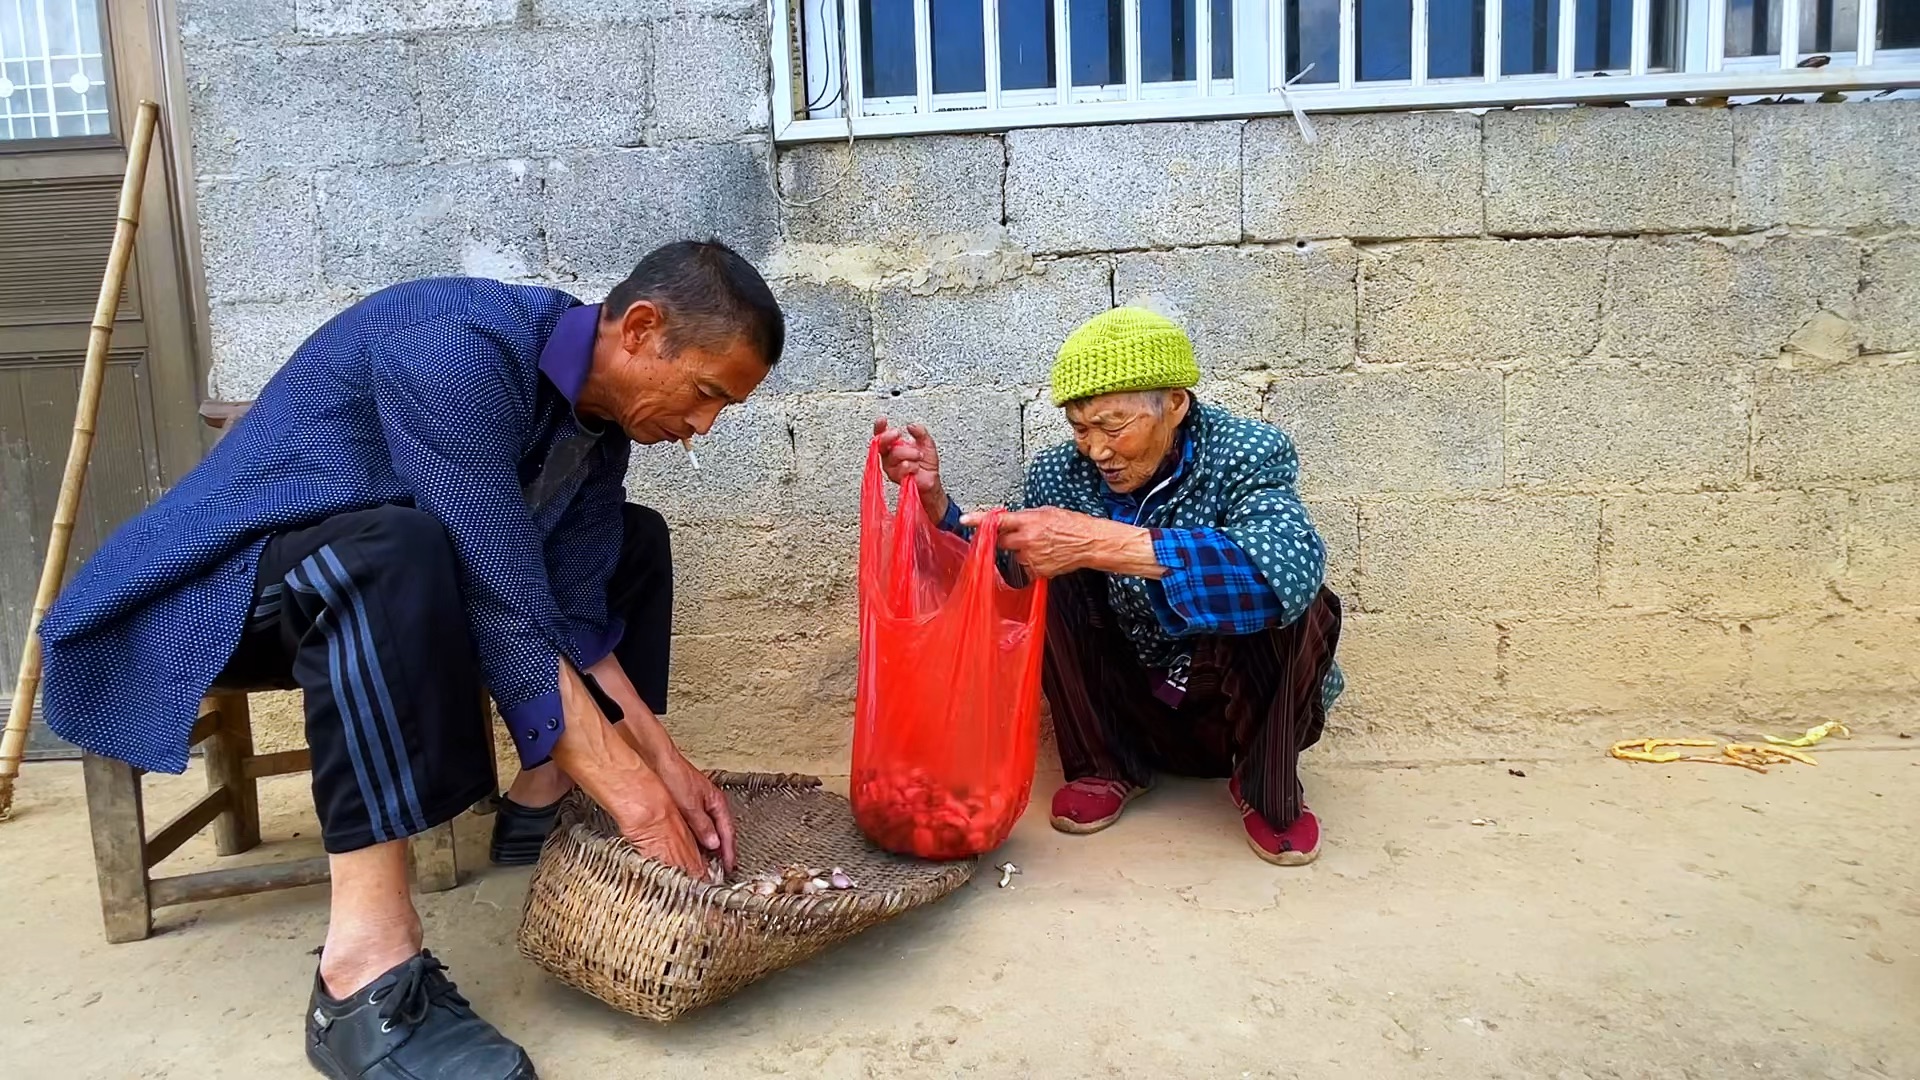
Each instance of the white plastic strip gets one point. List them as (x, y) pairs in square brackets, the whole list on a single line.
[(990, 53), (1203, 44), (1276, 45), (1063, 53), (1869, 32), (1642, 37), (1716, 34), (923, 56), (1349, 40), (1419, 67), (1569, 13), (1789, 33), (856, 72), (1492, 44), (1131, 33)]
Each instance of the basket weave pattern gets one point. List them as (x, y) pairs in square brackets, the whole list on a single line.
[(648, 940)]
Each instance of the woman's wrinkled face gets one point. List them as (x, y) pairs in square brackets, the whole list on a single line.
[(1128, 435)]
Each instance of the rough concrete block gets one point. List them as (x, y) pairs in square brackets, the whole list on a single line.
[(324, 18), (1584, 170), (1857, 667), (259, 239), (745, 473), (1711, 299), (1481, 300), (1513, 555), (977, 431), (763, 582), (1372, 175), (712, 79), (233, 20), (251, 341), (1759, 553), (395, 223), (1247, 308), (1338, 524), (1889, 301), (1005, 334), (1853, 165), (594, 12), (1393, 430), (748, 702), (892, 193), (597, 229), (283, 107), (1627, 426), (1652, 668), (829, 339), (1124, 186), (1883, 547), (539, 91), (1414, 676), (1848, 423)]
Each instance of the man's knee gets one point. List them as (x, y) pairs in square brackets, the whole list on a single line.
[(404, 527), (646, 532)]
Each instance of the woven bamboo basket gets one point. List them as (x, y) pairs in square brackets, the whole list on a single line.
[(648, 940)]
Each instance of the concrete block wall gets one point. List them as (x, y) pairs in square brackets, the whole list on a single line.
[(1610, 417)]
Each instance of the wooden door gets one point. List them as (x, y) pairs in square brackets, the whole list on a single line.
[(71, 73)]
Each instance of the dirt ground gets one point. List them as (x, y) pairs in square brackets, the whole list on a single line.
[(1606, 920)]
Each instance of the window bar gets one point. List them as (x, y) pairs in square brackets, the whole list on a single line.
[(1789, 33), (990, 53), (46, 65), (1132, 31), (1716, 34), (1869, 24), (1276, 45), (851, 41), (1492, 48), (1349, 29), (1642, 37), (1568, 14), (1419, 67), (1062, 53), (923, 57), (1203, 45)]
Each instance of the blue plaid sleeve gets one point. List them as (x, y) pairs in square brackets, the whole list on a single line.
[(1211, 586)]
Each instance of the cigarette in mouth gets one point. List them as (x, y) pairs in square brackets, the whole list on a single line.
[(687, 444)]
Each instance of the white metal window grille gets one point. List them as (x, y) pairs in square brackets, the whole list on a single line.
[(891, 67), (53, 77)]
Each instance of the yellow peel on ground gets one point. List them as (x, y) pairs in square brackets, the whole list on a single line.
[(1814, 734)]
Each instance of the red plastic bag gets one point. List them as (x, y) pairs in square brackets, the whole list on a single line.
[(947, 714)]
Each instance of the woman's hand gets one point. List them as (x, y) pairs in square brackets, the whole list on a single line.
[(1049, 542), (910, 456)]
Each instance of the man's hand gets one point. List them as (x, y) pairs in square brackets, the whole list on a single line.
[(613, 773), (702, 805), (911, 456), (1050, 542)]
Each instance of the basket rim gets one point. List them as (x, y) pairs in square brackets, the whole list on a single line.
[(853, 902)]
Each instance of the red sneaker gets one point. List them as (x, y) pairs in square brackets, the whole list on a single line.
[(1296, 845), (1092, 803)]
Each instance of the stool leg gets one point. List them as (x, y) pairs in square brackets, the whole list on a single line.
[(433, 864), (119, 847), (226, 752)]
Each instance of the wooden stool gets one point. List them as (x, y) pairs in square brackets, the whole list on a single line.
[(124, 855)]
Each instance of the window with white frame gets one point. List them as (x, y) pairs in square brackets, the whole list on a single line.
[(879, 67)]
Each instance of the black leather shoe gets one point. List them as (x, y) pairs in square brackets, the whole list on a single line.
[(518, 831), (408, 1024)]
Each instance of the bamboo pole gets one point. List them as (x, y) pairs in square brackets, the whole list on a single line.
[(13, 746)]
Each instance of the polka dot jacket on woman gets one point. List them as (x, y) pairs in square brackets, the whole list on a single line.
[(1240, 483)]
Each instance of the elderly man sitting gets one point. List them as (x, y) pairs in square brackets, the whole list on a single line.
[(1188, 630)]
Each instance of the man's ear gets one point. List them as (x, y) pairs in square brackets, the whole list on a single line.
[(642, 322)]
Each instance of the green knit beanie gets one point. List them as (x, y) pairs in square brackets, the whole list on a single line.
[(1123, 349)]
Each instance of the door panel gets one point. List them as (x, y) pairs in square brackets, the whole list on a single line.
[(70, 70)]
